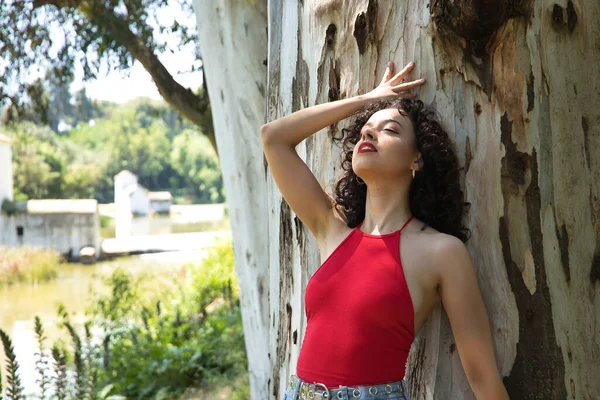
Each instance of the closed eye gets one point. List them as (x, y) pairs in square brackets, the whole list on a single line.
[(390, 130)]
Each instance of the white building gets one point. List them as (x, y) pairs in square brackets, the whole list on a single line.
[(160, 202), (66, 226), (130, 196), (6, 174), (63, 225)]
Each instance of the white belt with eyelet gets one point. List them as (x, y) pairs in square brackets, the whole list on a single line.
[(313, 391)]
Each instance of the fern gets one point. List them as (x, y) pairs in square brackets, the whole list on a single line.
[(90, 361), (106, 352), (60, 372), (41, 363), (14, 390), (80, 373)]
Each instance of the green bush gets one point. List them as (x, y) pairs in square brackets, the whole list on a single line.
[(156, 338), (8, 207), (27, 264)]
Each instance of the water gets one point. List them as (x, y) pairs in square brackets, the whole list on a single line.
[(183, 218)]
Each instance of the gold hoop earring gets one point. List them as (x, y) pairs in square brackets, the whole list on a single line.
[(413, 173), (360, 181)]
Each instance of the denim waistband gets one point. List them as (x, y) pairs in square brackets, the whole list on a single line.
[(303, 390)]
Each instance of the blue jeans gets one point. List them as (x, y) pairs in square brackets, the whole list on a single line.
[(297, 389)]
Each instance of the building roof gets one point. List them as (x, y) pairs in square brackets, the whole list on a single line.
[(134, 187), (5, 139), (87, 206), (124, 173), (160, 196)]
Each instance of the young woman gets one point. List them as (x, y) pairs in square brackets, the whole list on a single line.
[(391, 243)]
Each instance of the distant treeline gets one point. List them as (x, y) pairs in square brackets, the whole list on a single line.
[(79, 146)]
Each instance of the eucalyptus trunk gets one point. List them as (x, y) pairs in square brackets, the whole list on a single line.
[(233, 41), (516, 86)]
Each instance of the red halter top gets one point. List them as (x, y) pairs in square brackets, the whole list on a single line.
[(360, 316)]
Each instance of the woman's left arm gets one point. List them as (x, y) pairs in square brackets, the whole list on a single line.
[(462, 302)]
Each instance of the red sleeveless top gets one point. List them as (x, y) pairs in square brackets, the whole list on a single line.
[(360, 317)]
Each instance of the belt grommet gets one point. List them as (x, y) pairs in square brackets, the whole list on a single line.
[(339, 395), (373, 390), (356, 393), (388, 389)]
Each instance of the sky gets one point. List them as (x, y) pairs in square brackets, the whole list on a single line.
[(121, 87)]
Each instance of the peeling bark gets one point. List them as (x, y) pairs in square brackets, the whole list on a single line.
[(514, 83), (233, 38)]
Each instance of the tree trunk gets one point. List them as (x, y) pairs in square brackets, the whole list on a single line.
[(516, 85), (233, 37)]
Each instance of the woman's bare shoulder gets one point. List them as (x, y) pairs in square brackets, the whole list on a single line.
[(434, 246), (429, 236)]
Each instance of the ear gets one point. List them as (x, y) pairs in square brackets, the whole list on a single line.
[(418, 162)]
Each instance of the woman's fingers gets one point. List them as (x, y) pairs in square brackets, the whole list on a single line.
[(398, 77), (407, 86), (388, 73)]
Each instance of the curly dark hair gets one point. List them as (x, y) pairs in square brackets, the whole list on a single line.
[(435, 195)]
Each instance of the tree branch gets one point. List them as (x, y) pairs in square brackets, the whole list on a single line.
[(196, 108)]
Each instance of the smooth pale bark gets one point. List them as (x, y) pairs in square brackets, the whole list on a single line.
[(233, 41), (518, 90)]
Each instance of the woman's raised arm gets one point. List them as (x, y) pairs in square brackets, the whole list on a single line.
[(279, 138)]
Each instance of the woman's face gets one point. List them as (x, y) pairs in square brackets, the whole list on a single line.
[(392, 136)]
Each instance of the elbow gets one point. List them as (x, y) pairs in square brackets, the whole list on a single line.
[(265, 134)]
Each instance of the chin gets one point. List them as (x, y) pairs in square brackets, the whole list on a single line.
[(365, 166)]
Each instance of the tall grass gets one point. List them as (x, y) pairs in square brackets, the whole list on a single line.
[(27, 264)]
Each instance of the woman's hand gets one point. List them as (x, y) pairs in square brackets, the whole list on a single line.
[(392, 87)]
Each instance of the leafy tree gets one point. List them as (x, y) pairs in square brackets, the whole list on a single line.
[(38, 163), (95, 31), (136, 136), (193, 158)]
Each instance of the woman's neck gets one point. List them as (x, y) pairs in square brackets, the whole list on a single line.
[(387, 208)]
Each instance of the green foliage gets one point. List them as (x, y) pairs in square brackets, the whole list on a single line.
[(27, 264), (183, 337), (104, 221), (155, 338), (41, 362), (14, 390), (144, 136), (194, 159), (8, 207), (59, 357), (81, 384), (92, 33), (38, 161)]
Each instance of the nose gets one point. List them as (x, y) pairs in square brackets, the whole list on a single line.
[(367, 133)]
